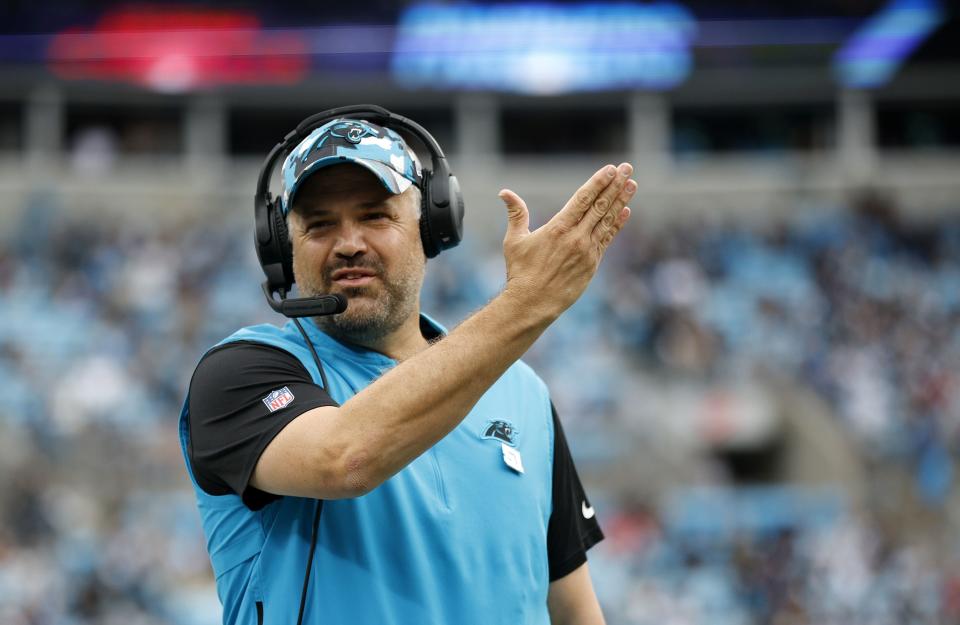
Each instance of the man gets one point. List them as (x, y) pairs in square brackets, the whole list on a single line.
[(448, 491)]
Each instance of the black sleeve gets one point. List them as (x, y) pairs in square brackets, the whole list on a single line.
[(573, 523), (241, 395)]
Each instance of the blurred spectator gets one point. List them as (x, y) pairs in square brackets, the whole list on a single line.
[(101, 333)]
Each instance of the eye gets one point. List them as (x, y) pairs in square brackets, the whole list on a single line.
[(376, 215), (318, 225)]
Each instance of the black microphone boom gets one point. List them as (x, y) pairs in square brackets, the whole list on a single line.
[(306, 306)]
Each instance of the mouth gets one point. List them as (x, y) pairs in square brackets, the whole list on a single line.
[(352, 277)]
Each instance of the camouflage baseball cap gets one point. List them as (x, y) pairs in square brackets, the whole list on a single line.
[(380, 150)]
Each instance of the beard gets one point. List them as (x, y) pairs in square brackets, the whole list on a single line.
[(374, 311)]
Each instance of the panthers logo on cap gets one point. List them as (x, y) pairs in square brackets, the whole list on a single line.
[(502, 431), (352, 131)]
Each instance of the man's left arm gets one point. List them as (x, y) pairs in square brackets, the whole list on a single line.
[(572, 531), (571, 600)]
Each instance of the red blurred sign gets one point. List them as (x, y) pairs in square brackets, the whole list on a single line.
[(179, 49)]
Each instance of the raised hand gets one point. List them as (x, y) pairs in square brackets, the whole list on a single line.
[(549, 268)]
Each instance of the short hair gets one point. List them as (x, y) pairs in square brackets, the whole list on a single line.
[(418, 202)]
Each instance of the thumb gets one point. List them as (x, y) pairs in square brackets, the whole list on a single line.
[(518, 217)]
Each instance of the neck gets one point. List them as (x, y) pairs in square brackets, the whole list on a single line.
[(399, 345), (406, 341)]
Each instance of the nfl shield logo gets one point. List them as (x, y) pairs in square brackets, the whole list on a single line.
[(278, 399)]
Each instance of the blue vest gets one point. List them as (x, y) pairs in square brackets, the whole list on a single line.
[(457, 536)]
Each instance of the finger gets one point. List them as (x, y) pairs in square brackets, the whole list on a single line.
[(607, 199), (573, 211), (518, 217), (613, 211), (612, 233)]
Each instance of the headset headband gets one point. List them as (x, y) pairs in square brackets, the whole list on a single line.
[(370, 112)]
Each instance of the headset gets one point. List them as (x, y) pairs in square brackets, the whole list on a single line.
[(441, 227), (441, 214)]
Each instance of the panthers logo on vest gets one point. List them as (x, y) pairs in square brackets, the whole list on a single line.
[(502, 431)]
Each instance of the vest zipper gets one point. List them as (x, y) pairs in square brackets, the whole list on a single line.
[(441, 489)]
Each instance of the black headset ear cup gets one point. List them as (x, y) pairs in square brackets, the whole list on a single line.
[(273, 249), (284, 247), (441, 218), (427, 209), (454, 230)]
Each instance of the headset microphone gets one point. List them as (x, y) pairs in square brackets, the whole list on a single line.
[(294, 307)]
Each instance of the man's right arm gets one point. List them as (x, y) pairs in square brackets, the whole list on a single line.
[(337, 452)]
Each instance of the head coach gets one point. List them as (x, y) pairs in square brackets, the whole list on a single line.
[(366, 466)]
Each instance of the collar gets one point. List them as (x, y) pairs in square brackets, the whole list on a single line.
[(429, 327)]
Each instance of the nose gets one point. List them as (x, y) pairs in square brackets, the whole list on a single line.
[(349, 240)]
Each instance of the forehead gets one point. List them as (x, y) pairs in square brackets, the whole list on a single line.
[(339, 183)]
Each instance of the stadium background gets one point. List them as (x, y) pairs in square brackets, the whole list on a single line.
[(760, 388)]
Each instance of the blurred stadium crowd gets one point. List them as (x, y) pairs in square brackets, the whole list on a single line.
[(104, 321)]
